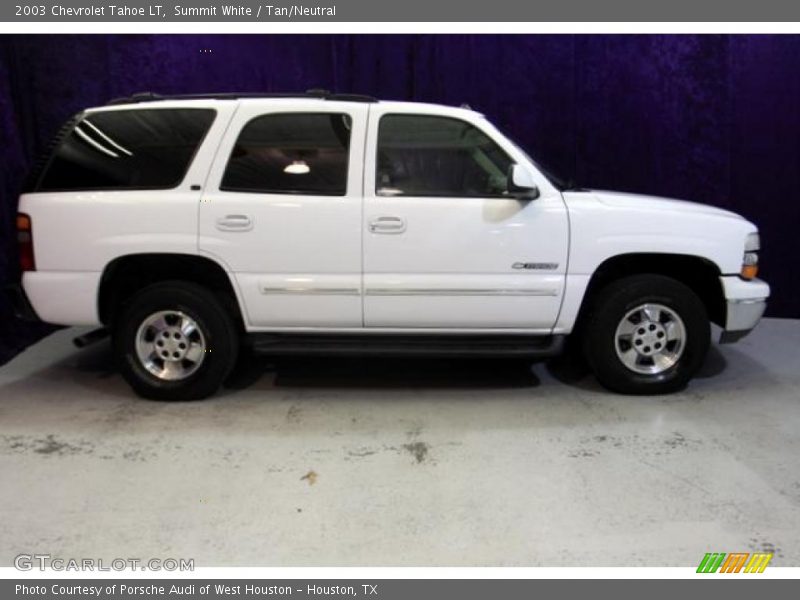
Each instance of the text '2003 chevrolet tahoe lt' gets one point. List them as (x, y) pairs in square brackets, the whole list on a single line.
[(324, 223)]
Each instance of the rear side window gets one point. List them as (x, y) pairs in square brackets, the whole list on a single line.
[(422, 155), (291, 153), (127, 150)]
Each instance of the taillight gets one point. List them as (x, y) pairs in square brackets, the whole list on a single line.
[(25, 243)]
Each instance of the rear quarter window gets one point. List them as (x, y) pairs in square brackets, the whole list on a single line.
[(127, 150)]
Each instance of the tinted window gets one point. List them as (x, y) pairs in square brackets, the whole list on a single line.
[(438, 156), (127, 149), (291, 154), (41, 162)]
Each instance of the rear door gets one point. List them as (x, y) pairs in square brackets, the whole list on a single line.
[(282, 210)]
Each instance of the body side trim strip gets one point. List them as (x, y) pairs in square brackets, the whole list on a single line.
[(460, 292), (311, 291)]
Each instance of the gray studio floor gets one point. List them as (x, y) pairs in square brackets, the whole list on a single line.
[(376, 462)]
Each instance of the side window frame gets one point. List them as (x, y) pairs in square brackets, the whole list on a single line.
[(374, 188), (242, 126)]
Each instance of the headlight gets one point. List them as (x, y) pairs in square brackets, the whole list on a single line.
[(750, 261)]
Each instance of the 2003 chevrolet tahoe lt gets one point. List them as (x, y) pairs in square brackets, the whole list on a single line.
[(323, 223)]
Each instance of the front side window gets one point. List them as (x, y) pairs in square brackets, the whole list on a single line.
[(127, 149), (291, 153), (420, 155)]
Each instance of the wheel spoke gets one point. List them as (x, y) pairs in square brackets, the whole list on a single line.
[(195, 352), (662, 362), (187, 326), (630, 357), (626, 328), (672, 331), (172, 370), (145, 349), (652, 313), (159, 369)]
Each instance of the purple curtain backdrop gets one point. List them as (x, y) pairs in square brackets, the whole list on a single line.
[(709, 118)]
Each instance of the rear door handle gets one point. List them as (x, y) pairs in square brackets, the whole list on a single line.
[(235, 223), (387, 225)]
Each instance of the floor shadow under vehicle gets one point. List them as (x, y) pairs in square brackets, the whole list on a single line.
[(382, 372), (97, 369)]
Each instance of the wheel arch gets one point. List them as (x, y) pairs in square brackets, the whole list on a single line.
[(124, 275), (698, 273)]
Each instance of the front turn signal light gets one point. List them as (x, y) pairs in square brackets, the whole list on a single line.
[(749, 266), (749, 271)]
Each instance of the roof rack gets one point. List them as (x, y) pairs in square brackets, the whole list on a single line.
[(313, 93)]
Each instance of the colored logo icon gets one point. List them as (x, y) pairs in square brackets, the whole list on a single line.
[(735, 562)]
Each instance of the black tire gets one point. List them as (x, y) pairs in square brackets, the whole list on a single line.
[(606, 311), (219, 331)]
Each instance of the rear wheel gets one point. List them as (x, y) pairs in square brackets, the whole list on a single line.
[(646, 334), (175, 341)]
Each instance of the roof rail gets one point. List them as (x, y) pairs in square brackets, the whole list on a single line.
[(313, 93)]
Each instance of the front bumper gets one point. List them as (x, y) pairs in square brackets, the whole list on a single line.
[(19, 303), (745, 305)]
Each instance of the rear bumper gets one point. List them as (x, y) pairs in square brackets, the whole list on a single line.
[(63, 297), (19, 303), (745, 304)]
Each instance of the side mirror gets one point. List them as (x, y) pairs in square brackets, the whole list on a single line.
[(521, 184)]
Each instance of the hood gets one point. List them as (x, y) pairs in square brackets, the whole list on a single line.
[(639, 201)]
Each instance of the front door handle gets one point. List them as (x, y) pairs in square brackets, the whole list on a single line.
[(235, 223), (387, 225)]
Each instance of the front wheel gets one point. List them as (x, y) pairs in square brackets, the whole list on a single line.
[(646, 334), (175, 341)]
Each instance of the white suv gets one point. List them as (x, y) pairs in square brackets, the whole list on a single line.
[(323, 223)]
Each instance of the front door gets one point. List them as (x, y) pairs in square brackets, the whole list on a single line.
[(282, 210), (445, 245)]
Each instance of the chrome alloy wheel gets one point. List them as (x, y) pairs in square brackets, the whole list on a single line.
[(170, 345), (650, 339)]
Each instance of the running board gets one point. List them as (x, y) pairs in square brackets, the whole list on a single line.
[(458, 346)]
